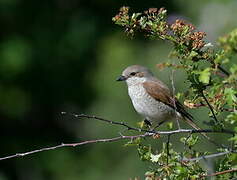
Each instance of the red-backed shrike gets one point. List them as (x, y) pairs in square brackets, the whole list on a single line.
[(151, 98)]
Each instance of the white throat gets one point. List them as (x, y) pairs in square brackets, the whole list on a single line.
[(135, 81)]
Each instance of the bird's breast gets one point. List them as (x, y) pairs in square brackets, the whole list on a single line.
[(146, 105)]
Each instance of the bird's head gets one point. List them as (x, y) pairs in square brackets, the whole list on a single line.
[(135, 74)]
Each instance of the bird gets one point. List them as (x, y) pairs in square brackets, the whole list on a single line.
[(152, 99)]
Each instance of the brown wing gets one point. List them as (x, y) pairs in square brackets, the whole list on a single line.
[(161, 93)]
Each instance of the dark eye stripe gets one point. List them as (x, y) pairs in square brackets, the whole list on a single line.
[(133, 73)]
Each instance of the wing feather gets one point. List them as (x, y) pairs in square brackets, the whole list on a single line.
[(161, 93)]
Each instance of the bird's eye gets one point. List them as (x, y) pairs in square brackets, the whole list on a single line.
[(133, 73)]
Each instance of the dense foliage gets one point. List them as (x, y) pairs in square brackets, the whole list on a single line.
[(212, 84)]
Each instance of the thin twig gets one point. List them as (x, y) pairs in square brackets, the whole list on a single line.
[(207, 156), (75, 144), (221, 74), (223, 70), (220, 173), (209, 105), (173, 94), (204, 105), (180, 131), (108, 121), (167, 148)]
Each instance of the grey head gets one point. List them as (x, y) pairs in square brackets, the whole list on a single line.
[(135, 73)]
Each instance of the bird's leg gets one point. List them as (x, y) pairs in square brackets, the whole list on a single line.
[(156, 136), (147, 122)]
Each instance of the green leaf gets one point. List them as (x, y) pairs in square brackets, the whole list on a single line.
[(144, 152), (232, 117), (190, 141), (234, 138), (233, 69), (170, 125), (133, 142), (230, 96), (135, 15), (205, 76), (192, 54)]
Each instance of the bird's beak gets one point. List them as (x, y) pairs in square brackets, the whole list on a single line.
[(121, 78)]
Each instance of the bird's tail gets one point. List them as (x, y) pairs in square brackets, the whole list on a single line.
[(191, 123), (188, 118)]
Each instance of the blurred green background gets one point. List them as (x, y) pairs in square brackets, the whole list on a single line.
[(64, 55)]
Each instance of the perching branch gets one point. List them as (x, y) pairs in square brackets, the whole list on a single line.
[(147, 133), (192, 131), (178, 131)]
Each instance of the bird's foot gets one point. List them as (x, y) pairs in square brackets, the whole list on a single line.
[(147, 122)]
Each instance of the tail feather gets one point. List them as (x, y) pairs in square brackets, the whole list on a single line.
[(188, 118), (192, 124)]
